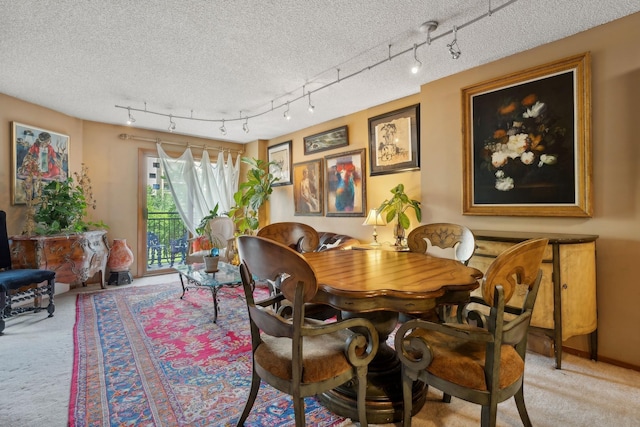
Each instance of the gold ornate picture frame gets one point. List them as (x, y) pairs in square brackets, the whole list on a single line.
[(527, 142)]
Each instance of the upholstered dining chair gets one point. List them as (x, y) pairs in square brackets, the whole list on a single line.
[(456, 238), (297, 355), (301, 238), (20, 284), (445, 236), (482, 360)]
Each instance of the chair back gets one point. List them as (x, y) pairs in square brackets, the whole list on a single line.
[(518, 265), (445, 236), (222, 228), (5, 254), (270, 260), (296, 235)]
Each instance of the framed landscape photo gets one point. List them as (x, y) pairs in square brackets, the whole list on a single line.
[(394, 141), (308, 188), (345, 184), (280, 154), (527, 142), (327, 140), (39, 155)]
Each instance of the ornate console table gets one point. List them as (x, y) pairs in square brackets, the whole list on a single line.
[(75, 257), (566, 303)]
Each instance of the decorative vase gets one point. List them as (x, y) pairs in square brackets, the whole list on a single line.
[(399, 235), (211, 263), (120, 256)]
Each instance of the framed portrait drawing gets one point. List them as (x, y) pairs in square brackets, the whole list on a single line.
[(327, 140), (345, 184), (394, 141), (39, 155), (308, 188), (280, 154), (527, 144)]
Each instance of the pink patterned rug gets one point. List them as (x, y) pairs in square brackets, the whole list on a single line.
[(144, 357)]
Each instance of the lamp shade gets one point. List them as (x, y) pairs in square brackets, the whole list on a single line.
[(374, 218)]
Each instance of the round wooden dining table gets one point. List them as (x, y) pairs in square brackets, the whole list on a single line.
[(378, 285)]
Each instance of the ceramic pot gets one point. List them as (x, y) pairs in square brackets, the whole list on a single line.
[(211, 263), (120, 256)]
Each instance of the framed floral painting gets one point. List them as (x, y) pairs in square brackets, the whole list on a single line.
[(527, 142), (308, 188), (39, 157), (345, 184)]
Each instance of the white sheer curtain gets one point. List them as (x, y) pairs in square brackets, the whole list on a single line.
[(198, 186)]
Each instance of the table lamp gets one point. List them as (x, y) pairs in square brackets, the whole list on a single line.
[(374, 218)]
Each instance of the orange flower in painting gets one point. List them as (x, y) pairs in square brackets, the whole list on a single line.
[(535, 139), (500, 133), (529, 100), (507, 109)]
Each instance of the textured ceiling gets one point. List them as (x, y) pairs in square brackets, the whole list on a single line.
[(223, 59)]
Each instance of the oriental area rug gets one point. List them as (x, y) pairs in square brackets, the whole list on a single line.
[(145, 357)]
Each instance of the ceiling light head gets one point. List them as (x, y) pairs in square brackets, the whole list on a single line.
[(417, 64), (245, 125), (310, 107), (223, 130), (454, 49), (172, 124), (130, 120), (286, 112)]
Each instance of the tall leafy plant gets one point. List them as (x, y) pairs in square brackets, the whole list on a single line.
[(395, 208), (252, 194)]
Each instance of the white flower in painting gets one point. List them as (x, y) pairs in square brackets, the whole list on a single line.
[(504, 184), (547, 159), (517, 145), (534, 111), (498, 159), (527, 157)]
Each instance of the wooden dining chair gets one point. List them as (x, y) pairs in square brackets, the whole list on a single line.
[(297, 355), (482, 360), (445, 236), (301, 238)]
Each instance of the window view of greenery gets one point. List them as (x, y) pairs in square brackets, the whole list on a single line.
[(167, 238)]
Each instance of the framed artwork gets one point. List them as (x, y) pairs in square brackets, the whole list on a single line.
[(38, 154), (308, 188), (394, 141), (345, 184), (280, 154), (327, 140), (527, 143)]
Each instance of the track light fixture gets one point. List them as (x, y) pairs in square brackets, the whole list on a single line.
[(417, 64), (286, 112), (310, 107), (454, 49), (428, 27), (130, 120)]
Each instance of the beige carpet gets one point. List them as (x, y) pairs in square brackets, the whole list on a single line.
[(37, 357)]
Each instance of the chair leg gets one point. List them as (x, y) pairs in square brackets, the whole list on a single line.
[(522, 409), (362, 394), (298, 410), (3, 303), (51, 291), (446, 398), (407, 398), (253, 392), (489, 415)]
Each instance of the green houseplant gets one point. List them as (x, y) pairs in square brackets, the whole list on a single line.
[(395, 208), (252, 194)]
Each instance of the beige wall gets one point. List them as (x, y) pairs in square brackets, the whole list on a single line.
[(438, 184), (616, 172)]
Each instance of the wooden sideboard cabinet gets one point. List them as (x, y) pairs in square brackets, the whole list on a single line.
[(566, 303), (75, 257)]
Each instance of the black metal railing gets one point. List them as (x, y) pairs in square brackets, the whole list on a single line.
[(167, 240)]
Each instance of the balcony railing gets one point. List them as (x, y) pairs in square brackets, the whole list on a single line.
[(167, 240)]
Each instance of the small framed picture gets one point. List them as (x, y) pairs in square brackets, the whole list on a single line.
[(327, 140), (345, 184), (280, 155), (308, 188), (38, 155), (394, 141)]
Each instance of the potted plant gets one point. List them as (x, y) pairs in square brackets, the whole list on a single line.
[(395, 208), (213, 258), (252, 194)]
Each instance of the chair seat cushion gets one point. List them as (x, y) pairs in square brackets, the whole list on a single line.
[(462, 362), (323, 357), (14, 279)]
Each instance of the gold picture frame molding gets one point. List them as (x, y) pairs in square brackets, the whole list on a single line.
[(583, 207)]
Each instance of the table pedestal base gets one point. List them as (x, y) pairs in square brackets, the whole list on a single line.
[(384, 381)]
